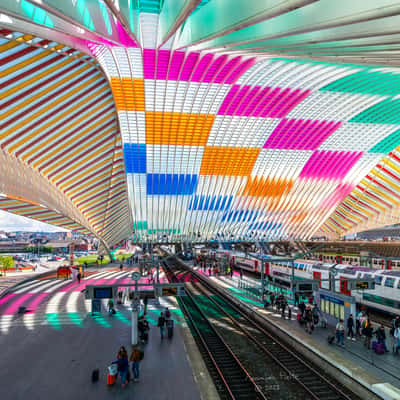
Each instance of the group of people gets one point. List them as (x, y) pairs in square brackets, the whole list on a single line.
[(122, 363), (363, 328), (309, 316), (165, 321)]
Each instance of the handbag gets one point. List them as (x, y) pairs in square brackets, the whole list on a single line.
[(113, 369)]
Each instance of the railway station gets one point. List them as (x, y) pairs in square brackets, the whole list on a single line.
[(236, 166)]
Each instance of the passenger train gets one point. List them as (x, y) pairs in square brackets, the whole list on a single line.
[(353, 259), (384, 297)]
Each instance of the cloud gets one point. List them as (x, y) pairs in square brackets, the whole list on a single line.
[(11, 222)]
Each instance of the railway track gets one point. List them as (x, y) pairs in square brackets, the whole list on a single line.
[(302, 374)]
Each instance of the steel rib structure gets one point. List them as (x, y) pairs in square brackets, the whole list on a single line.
[(198, 120)]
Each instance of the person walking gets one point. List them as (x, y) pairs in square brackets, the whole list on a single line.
[(110, 305), (121, 266), (231, 271), (367, 332), (78, 277), (123, 365), (340, 333), (241, 273), (136, 357), (396, 336), (309, 320), (381, 337), (350, 324), (167, 313), (161, 325)]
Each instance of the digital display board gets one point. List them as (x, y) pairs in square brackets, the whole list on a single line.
[(102, 293)]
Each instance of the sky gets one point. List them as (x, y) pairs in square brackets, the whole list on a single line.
[(11, 222)]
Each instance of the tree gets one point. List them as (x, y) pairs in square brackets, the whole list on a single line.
[(6, 262)]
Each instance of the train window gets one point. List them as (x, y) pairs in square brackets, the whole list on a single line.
[(389, 282), (378, 280)]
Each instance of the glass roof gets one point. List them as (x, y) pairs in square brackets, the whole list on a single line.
[(241, 119)]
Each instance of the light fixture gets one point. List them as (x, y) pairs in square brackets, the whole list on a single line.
[(9, 36), (46, 46)]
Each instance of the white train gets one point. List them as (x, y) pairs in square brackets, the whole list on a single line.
[(385, 297)]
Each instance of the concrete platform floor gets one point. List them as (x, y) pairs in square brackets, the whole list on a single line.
[(55, 361)]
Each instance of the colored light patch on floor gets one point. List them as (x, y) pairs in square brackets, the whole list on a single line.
[(229, 161), (180, 129), (295, 134), (100, 320), (54, 320)]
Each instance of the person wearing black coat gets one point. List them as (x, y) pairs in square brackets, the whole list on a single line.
[(350, 325)]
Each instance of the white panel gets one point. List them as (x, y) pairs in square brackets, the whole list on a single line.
[(174, 159), (276, 162), (353, 136), (148, 30), (332, 106), (136, 61), (133, 126), (362, 167), (236, 131)]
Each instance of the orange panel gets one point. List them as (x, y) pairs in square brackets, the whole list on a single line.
[(178, 128), (267, 187), (128, 94), (232, 161)]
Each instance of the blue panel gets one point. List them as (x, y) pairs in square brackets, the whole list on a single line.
[(239, 216), (171, 184), (135, 158), (212, 203)]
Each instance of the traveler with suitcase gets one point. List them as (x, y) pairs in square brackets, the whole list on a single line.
[(380, 347), (122, 365), (161, 325)]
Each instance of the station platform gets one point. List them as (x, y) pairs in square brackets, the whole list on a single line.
[(379, 373), (50, 353)]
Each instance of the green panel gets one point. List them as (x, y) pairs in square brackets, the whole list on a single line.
[(387, 144), (139, 225), (385, 112), (367, 82)]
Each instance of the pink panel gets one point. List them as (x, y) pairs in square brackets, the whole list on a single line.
[(176, 63), (162, 63), (225, 104), (257, 103), (329, 164), (149, 63), (214, 68), (240, 70), (338, 195), (244, 107), (124, 38), (19, 302), (201, 67), (188, 67), (265, 106), (227, 69), (36, 302), (300, 134), (233, 108)]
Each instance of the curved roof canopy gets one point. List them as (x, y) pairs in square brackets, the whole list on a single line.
[(196, 120)]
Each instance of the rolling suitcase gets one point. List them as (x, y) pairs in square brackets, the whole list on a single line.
[(111, 379), (95, 375), (380, 348)]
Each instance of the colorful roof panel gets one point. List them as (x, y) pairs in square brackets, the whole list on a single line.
[(246, 119)]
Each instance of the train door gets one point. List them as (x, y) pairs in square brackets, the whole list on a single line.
[(338, 259), (389, 264), (382, 264), (320, 257), (343, 286), (317, 276), (256, 266), (266, 268)]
